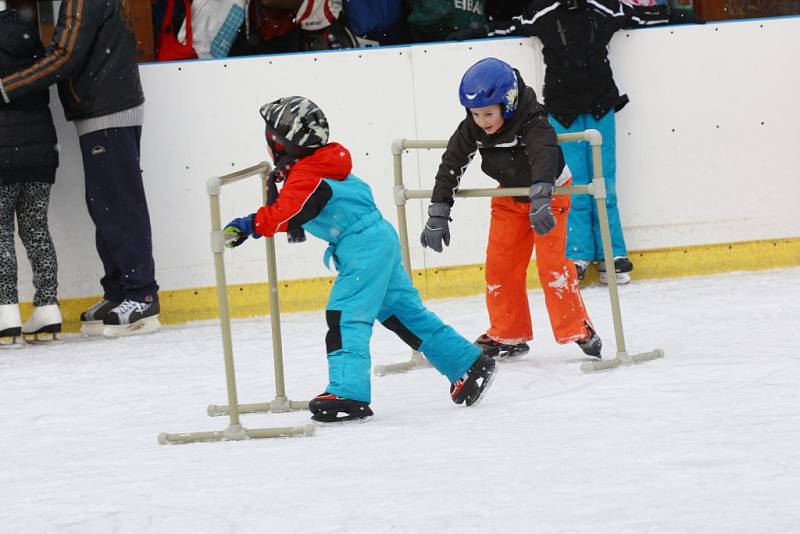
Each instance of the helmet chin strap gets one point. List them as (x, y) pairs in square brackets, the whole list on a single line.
[(283, 163)]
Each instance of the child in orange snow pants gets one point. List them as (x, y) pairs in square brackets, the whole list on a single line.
[(519, 148), (511, 242)]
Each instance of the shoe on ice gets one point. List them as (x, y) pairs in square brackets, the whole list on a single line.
[(470, 387), (326, 408), (580, 268), (92, 319), (44, 320), (591, 345), (495, 349), (132, 317), (622, 266), (10, 323)]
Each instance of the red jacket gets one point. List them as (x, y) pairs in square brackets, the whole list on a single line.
[(304, 193)]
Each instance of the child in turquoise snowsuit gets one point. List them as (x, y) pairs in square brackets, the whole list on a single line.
[(321, 196)]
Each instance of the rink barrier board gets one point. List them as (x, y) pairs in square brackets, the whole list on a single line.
[(250, 300), (676, 146)]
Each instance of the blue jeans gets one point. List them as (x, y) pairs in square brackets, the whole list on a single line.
[(117, 205)]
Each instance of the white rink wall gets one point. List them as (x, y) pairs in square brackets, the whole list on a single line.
[(705, 148)]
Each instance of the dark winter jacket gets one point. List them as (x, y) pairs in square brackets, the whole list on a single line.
[(27, 137), (523, 152), (92, 58), (578, 77), (436, 19)]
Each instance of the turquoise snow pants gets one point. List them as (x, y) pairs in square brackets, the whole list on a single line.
[(372, 284), (583, 233)]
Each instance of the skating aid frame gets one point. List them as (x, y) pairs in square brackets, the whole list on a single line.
[(281, 403), (597, 189)]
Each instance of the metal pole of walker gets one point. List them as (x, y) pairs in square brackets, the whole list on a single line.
[(280, 404), (235, 430), (417, 360), (597, 189)]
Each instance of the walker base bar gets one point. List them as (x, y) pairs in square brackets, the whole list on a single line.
[(236, 433), (622, 358), (417, 361), (279, 405)]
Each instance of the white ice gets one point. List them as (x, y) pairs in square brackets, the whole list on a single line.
[(706, 440)]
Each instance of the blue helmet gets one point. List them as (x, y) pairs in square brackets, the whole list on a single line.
[(490, 81)]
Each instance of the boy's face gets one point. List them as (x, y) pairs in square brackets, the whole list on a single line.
[(488, 118)]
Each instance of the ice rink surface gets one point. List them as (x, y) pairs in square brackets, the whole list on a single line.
[(706, 440)]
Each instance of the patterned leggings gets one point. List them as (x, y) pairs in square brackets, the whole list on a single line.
[(29, 201)]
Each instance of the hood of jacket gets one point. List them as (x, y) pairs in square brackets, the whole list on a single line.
[(18, 36), (331, 161)]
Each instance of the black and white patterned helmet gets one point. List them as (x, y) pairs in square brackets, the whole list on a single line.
[(297, 123)]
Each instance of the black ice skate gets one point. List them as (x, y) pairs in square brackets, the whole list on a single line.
[(326, 407), (92, 319), (591, 345), (470, 387), (622, 266), (132, 317), (495, 349), (580, 268)]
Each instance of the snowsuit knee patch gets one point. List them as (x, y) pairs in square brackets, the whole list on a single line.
[(333, 339), (395, 325)]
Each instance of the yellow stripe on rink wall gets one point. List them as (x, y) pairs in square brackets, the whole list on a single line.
[(248, 300)]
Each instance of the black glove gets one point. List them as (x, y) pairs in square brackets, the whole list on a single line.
[(541, 215), (684, 16), (296, 235), (476, 30), (437, 228), (293, 235)]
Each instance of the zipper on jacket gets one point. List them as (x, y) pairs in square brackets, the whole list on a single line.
[(73, 91), (560, 28)]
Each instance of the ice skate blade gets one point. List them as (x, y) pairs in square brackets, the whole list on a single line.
[(92, 328), (510, 357), (342, 421), (484, 387), (622, 278), (10, 343), (40, 338), (142, 326)]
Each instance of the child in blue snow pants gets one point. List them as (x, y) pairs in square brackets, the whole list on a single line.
[(321, 196)]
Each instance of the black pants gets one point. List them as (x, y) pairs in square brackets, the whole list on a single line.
[(118, 207), (29, 201)]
